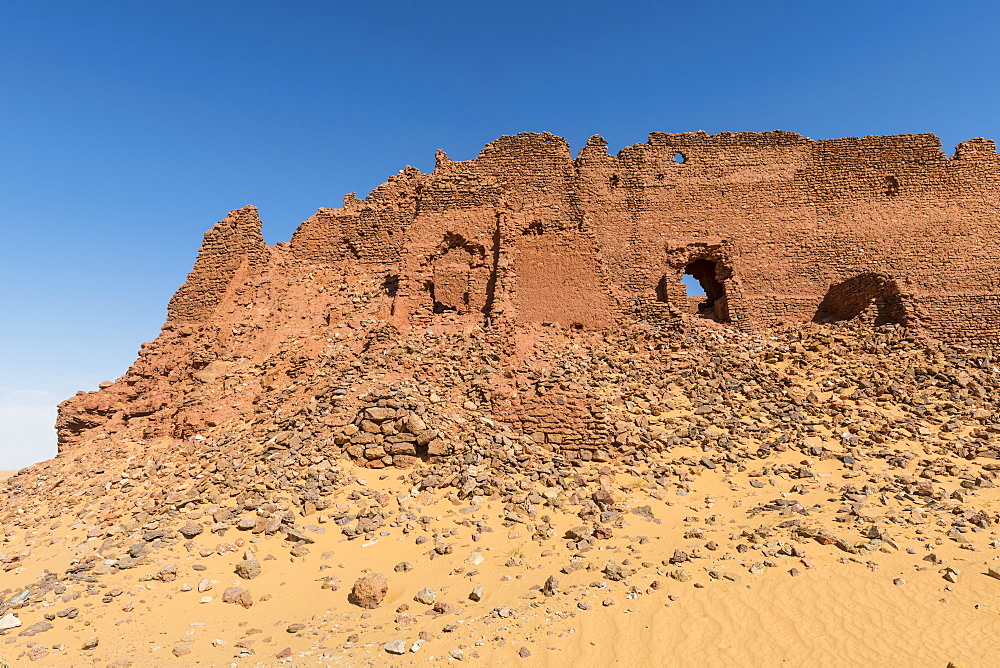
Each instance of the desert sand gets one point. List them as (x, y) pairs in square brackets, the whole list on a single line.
[(752, 567), (4, 474)]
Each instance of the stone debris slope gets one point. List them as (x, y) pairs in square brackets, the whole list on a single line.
[(818, 454)]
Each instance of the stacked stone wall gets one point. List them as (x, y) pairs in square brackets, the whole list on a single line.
[(604, 239)]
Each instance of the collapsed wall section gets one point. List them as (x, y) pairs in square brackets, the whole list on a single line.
[(524, 238), (233, 243), (525, 233)]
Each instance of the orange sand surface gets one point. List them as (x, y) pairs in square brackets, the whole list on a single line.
[(729, 606)]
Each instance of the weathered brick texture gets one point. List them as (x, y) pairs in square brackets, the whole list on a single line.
[(888, 228)]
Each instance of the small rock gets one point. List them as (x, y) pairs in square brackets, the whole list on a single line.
[(426, 596), (191, 529), (237, 595), (524, 652), (35, 628), (91, 642), (181, 650), (249, 568), (397, 646), (477, 593), (369, 591), (613, 571), (9, 621), (681, 574)]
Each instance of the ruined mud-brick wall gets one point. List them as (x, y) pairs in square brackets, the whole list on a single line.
[(525, 233), (525, 239)]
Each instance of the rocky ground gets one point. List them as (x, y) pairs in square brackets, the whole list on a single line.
[(826, 495)]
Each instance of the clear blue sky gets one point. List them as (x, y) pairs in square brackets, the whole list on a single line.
[(129, 128)]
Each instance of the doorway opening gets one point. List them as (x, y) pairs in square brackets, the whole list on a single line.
[(702, 284)]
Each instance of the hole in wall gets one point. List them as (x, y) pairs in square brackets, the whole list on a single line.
[(871, 295), (710, 292), (534, 229), (698, 288), (391, 284), (659, 177), (614, 180), (703, 272), (576, 326), (692, 286), (891, 186), (679, 158)]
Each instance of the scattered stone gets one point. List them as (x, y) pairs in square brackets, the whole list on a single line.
[(613, 571), (9, 621), (369, 591), (36, 628), (191, 529), (397, 646), (237, 595), (249, 568), (426, 596)]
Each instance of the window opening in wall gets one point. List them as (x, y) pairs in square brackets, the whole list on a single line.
[(613, 180), (710, 291), (679, 158), (692, 286)]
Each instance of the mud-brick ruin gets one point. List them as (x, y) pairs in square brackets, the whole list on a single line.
[(525, 242)]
